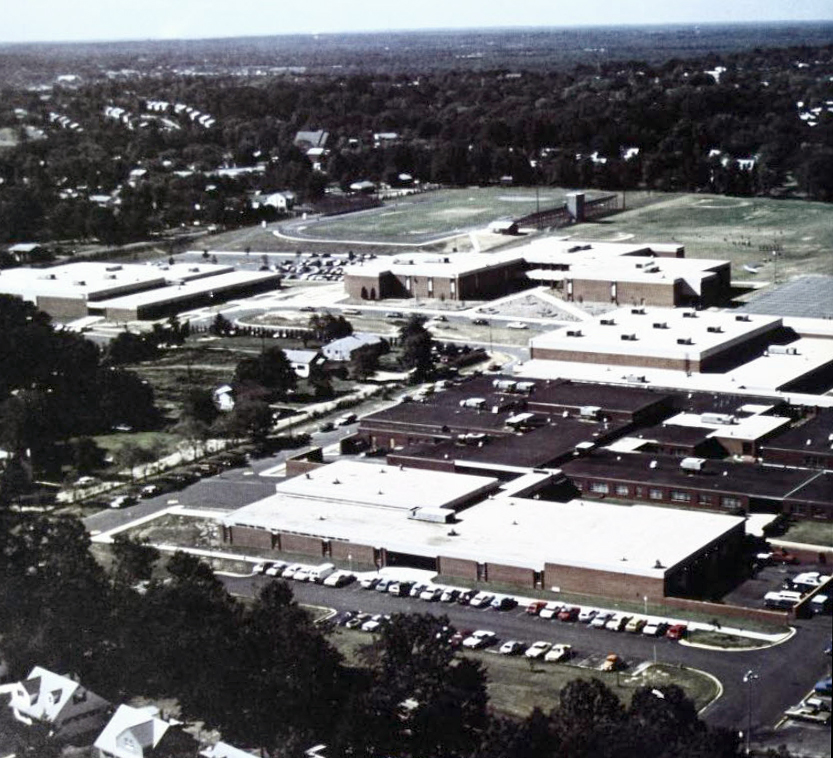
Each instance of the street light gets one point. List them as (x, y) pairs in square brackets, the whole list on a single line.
[(749, 677), (645, 600)]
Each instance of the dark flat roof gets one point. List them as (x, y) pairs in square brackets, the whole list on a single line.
[(818, 490), (729, 477), (672, 433), (817, 431), (720, 402), (535, 448), (430, 417)]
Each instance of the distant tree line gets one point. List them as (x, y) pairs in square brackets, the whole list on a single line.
[(565, 128)]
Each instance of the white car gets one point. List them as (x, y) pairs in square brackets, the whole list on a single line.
[(481, 638), (512, 647), (431, 594), (290, 571), (375, 623), (538, 649), (587, 615), (517, 325), (276, 569), (481, 600), (559, 653), (302, 574), (601, 618), (551, 609), (338, 579)]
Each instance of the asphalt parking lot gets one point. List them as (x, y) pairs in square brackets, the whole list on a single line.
[(750, 593)]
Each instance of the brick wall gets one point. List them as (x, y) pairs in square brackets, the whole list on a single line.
[(613, 359), (246, 536), (735, 611), (341, 551), (296, 467), (604, 583), (457, 567), (496, 572), (299, 543), (63, 307)]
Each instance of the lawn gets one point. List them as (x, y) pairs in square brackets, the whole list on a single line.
[(727, 641), (731, 228), (808, 533), (516, 687), (417, 219)]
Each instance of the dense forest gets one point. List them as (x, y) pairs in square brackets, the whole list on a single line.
[(115, 157)]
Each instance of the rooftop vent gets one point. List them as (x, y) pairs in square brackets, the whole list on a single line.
[(660, 325), (629, 337), (574, 332), (638, 311), (742, 317), (689, 314), (685, 341), (608, 322), (714, 329)]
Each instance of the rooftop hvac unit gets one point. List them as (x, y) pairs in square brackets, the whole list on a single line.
[(628, 337), (782, 350), (714, 329), (574, 332), (660, 325), (589, 411), (636, 378), (692, 464), (638, 311), (742, 317), (718, 418), (608, 322), (689, 314), (115, 267), (525, 387), (685, 341)]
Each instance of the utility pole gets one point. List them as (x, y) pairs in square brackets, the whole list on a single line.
[(748, 678)]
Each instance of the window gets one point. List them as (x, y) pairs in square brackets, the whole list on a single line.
[(600, 488), (705, 499), (622, 489), (655, 494), (680, 497), (730, 502)]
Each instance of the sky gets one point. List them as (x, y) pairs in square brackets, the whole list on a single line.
[(77, 20)]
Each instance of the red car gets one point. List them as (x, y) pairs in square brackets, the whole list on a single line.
[(569, 614), (535, 607), (457, 638), (676, 631), (783, 557)]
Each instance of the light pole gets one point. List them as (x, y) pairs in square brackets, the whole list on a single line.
[(645, 600), (749, 677)]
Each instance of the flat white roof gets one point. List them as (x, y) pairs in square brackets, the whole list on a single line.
[(656, 332), (663, 378), (173, 292), (744, 428), (504, 530), (383, 486), (778, 370), (83, 280), (431, 264)]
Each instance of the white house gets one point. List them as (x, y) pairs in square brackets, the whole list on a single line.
[(303, 361), (343, 349), (139, 733), (223, 398), (58, 702), (282, 201)]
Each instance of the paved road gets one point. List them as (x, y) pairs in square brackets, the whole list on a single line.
[(786, 671)]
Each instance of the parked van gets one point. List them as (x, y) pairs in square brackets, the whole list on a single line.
[(819, 604), (318, 574)]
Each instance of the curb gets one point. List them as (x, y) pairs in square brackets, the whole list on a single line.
[(786, 638)]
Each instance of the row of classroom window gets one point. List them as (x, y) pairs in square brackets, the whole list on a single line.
[(656, 493)]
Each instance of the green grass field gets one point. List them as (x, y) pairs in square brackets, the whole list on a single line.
[(417, 218), (516, 687), (730, 228)]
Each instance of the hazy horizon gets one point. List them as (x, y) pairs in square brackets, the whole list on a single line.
[(92, 21)]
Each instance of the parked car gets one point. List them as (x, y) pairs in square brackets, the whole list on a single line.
[(559, 653), (636, 625), (823, 686), (655, 628), (550, 610), (302, 574), (481, 600), (466, 597), (122, 501), (431, 594), (383, 584), (535, 607), (517, 325), (600, 619), (276, 568), (339, 579), (292, 569), (569, 614), (450, 595), (375, 623), (357, 620), (512, 647), (618, 622), (418, 589), (480, 639), (587, 615), (346, 419), (677, 631), (150, 490), (394, 314), (612, 663), (370, 582), (537, 649), (457, 638), (327, 426), (400, 589), (480, 322), (260, 568), (503, 603)]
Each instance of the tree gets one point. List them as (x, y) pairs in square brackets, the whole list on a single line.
[(251, 418), (416, 348), (221, 326), (271, 369), (134, 559), (327, 327), (87, 456), (198, 404), (364, 361)]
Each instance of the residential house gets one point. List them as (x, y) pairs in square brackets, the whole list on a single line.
[(224, 750), (140, 733), (310, 139), (343, 349), (223, 398), (303, 362), (63, 705)]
